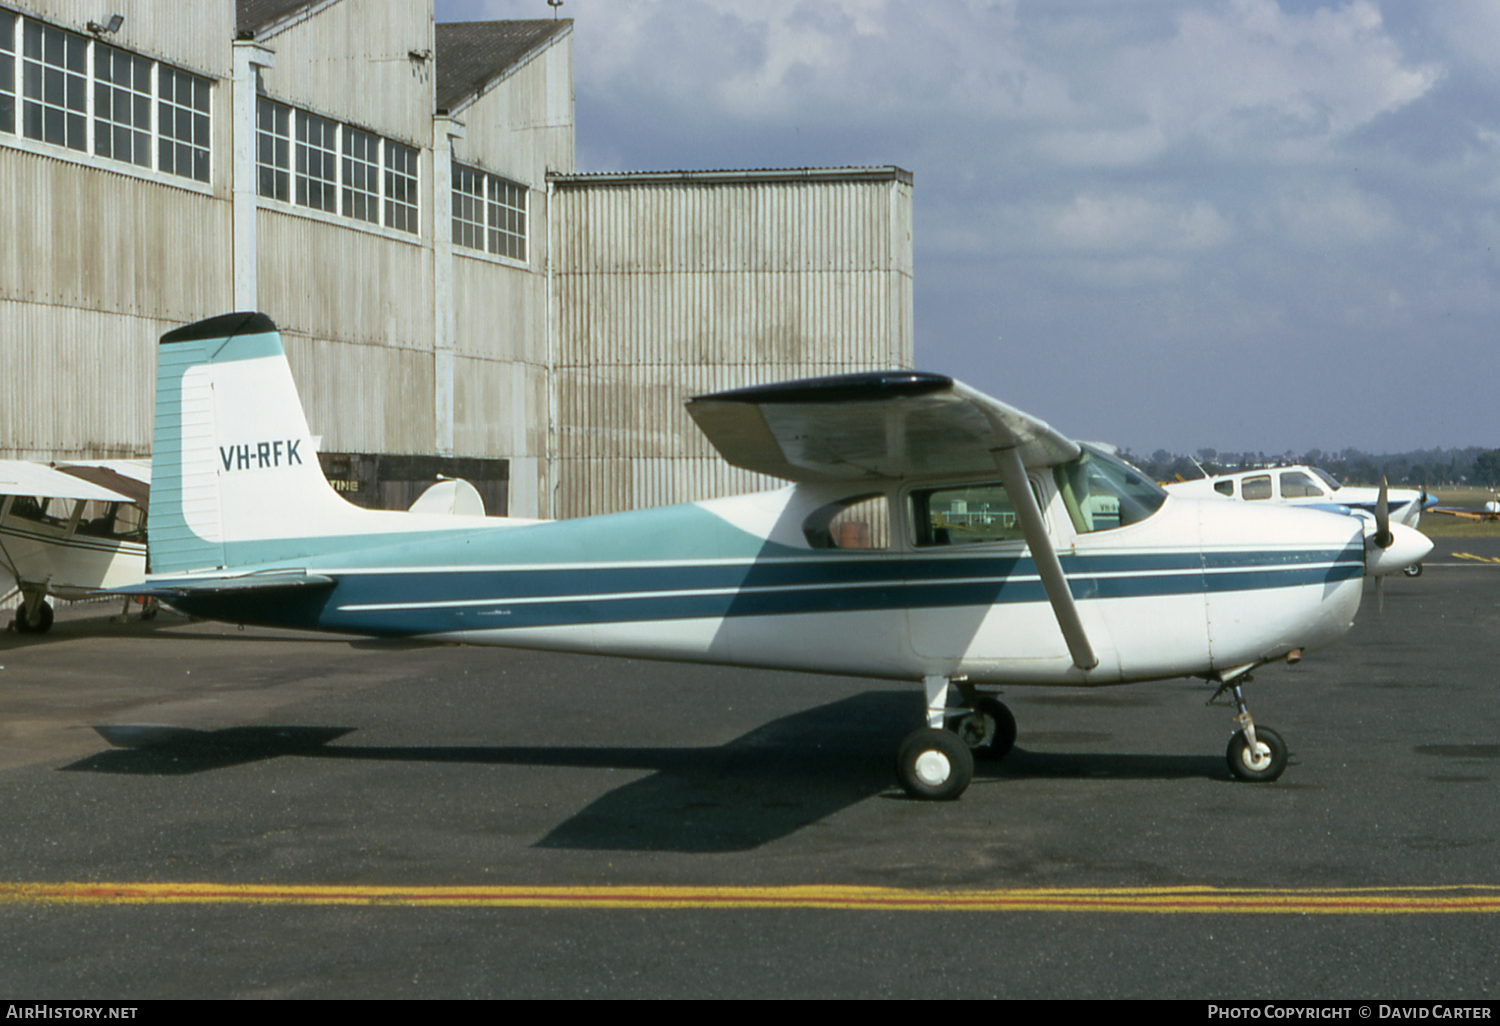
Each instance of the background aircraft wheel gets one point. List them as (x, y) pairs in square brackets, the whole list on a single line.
[(989, 731), (934, 765), (41, 623), (1415, 570), (1257, 767)]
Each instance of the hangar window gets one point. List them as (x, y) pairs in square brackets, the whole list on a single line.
[(85, 95), (54, 76), (7, 72), (361, 175), (122, 105), (400, 187), (182, 117), (273, 148), (317, 164), (321, 164), (489, 213)]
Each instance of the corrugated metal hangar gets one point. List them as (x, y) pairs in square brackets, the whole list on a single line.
[(400, 197)]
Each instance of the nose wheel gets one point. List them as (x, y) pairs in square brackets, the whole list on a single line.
[(1260, 764)]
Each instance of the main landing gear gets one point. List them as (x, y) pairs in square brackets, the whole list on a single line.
[(936, 763), (34, 614)]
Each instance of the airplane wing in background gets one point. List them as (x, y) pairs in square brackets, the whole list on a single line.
[(36, 480), (880, 424)]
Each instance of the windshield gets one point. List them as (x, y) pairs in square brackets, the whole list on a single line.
[(1102, 492), (1325, 477)]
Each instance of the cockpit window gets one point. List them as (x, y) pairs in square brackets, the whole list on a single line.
[(1325, 477), (971, 514), (1297, 485), (1102, 492)]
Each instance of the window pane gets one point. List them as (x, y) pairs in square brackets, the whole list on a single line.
[(180, 123), (54, 84), (508, 218), (316, 163), (122, 109), (401, 187), (361, 175), (7, 72)]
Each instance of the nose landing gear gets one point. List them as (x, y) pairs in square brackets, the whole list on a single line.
[(1256, 754)]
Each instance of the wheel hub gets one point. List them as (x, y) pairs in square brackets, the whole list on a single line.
[(933, 768)]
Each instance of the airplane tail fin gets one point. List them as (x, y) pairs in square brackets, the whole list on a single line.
[(235, 479)]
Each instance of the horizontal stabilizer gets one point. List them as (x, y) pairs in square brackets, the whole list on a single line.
[(223, 584), (878, 424)]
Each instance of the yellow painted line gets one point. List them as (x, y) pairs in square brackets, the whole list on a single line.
[(1471, 899), (1477, 559)]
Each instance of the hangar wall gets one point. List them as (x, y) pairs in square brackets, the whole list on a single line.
[(561, 359), (668, 285)]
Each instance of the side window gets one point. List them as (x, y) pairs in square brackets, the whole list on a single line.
[(965, 515), (1258, 487), (1297, 485), (860, 522), (1225, 488)]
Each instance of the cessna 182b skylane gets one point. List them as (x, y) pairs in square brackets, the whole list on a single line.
[(930, 534)]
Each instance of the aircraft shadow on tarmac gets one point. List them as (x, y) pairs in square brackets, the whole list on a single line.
[(761, 786)]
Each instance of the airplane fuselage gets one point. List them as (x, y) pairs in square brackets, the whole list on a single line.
[(739, 581)]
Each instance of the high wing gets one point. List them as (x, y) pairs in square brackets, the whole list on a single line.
[(894, 425), (880, 424), (36, 480)]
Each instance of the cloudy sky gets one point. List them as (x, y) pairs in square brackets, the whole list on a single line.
[(1242, 224)]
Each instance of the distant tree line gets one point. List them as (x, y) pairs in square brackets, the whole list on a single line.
[(1473, 465)]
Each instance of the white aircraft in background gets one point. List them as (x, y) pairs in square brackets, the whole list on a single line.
[(930, 534), (70, 530), (1311, 486)]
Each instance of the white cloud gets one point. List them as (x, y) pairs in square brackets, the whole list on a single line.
[(1125, 223)]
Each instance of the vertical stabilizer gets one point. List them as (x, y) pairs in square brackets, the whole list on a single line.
[(234, 476)]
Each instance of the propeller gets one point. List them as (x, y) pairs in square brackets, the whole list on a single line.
[(1383, 537)]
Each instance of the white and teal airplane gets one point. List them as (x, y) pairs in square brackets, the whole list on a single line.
[(929, 534)]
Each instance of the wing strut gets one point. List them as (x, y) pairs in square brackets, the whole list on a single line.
[(1013, 474)]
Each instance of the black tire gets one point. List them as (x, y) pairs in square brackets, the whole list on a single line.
[(1415, 570), (1257, 771), (39, 624), (989, 731), (934, 765)]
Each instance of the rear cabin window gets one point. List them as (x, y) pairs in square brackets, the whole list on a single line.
[(1224, 488), (859, 523)]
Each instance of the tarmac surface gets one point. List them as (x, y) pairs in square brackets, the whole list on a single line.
[(192, 810)]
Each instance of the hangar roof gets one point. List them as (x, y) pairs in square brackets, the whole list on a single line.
[(253, 14), (472, 54)]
